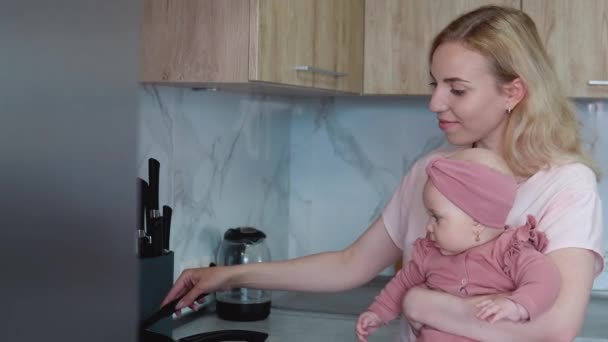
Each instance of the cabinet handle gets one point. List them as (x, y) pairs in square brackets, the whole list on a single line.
[(597, 83), (319, 71)]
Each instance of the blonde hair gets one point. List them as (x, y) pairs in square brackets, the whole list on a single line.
[(543, 129)]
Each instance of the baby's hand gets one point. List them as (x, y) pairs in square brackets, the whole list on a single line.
[(367, 323), (494, 310)]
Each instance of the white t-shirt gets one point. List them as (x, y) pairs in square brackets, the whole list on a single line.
[(563, 199)]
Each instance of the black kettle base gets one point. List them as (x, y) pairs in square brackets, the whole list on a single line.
[(242, 312)]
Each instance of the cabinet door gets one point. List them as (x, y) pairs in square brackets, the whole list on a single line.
[(575, 34), (325, 38), (192, 41), (282, 37), (398, 35), (339, 44)]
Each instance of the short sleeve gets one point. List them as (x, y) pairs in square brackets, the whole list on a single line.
[(406, 200), (404, 215), (573, 218)]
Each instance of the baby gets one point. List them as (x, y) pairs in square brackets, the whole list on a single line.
[(468, 250)]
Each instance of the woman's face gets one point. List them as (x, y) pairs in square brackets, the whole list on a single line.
[(449, 227), (469, 106)]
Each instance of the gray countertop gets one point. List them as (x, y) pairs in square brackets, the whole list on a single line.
[(300, 317), (287, 325)]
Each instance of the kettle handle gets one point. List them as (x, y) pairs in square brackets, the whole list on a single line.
[(227, 335)]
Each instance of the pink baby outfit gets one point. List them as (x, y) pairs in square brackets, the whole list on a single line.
[(512, 262), (564, 200)]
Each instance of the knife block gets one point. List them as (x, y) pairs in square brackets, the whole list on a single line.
[(155, 281)]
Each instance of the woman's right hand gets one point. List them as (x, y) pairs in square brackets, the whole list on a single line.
[(194, 282)]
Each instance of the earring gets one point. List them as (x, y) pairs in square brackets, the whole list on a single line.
[(476, 236), (508, 110)]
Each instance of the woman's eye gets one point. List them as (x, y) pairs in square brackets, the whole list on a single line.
[(433, 84), (457, 92)]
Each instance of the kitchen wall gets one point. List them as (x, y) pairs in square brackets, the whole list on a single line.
[(224, 163), (313, 174)]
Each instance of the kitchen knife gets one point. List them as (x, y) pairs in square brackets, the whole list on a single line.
[(154, 224), (163, 312), (167, 213), (143, 241)]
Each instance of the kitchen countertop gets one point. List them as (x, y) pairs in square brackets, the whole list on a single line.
[(304, 317), (288, 325)]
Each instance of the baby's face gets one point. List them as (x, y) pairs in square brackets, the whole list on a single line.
[(449, 226)]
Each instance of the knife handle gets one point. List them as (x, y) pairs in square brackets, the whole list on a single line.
[(157, 235), (167, 213), (153, 179), (165, 311), (142, 199)]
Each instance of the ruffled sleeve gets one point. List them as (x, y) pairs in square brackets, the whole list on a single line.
[(422, 248), (526, 236), (537, 279)]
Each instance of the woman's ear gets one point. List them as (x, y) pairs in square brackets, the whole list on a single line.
[(514, 92)]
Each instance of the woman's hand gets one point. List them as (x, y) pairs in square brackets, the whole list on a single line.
[(194, 282), (367, 323)]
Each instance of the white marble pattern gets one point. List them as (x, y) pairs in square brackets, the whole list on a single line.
[(311, 173), (224, 163), (348, 155)]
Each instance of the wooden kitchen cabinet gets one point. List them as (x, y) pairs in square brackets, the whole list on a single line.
[(398, 35), (254, 42), (575, 34)]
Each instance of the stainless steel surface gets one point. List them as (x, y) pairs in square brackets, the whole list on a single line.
[(597, 83), (68, 79), (319, 71)]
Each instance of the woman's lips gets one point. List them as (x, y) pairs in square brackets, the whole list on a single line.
[(445, 125)]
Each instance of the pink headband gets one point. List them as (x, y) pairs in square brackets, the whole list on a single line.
[(483, 193)]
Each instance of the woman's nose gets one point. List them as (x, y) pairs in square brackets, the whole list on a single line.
[(437, 103), (429, 227)]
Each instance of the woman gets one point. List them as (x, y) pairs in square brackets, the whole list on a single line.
[(493, 88), (538, 130)]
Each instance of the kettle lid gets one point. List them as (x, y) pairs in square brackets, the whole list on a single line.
[(248, 235)]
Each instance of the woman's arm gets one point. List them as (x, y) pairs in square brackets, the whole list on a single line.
[(373, 251), (561, 323)]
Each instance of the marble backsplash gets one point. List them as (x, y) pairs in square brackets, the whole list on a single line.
[(224, 163), (311, 173)]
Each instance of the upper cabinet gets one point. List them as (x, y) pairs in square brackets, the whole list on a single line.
[(305, 43), (398, 36), (320, 44), (575, 34)]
